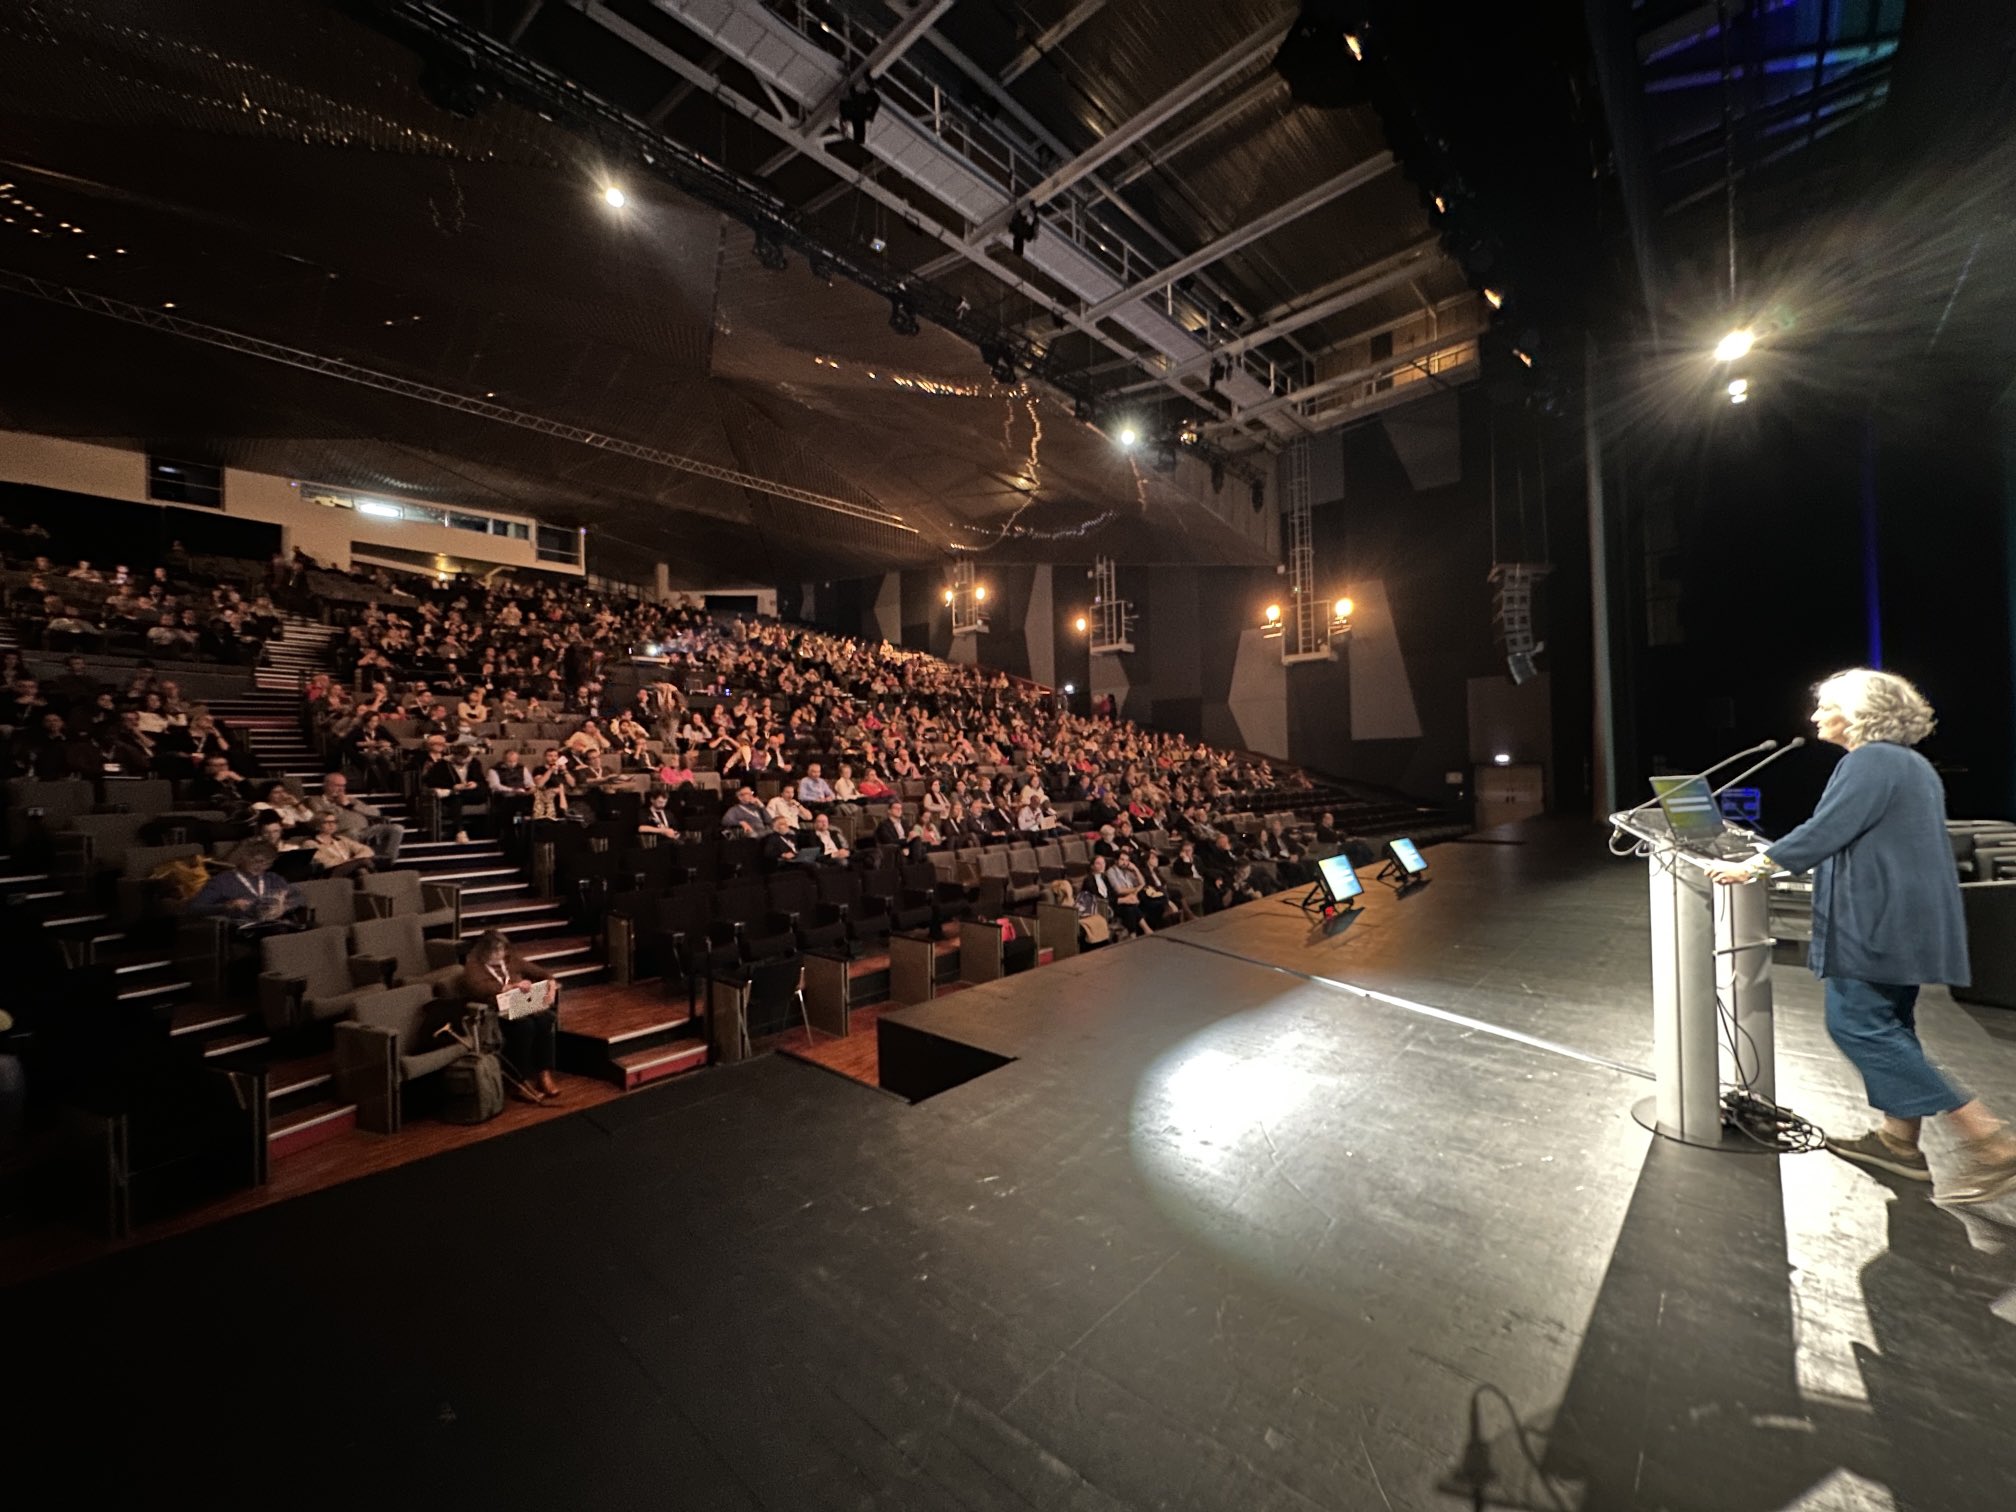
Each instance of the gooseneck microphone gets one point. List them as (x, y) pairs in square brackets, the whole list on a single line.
[(1790, 746)]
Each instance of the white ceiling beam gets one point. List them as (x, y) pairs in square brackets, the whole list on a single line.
[(1262, 225), (1259, 46), (903, 36), (1268, 84), (1413, 356), (1049, 37)]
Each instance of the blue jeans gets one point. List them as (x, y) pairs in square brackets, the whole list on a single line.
[(1875, 1024)]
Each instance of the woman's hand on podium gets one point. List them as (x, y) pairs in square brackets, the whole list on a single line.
[(1730, 873)]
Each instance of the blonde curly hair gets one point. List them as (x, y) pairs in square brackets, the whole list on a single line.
[(1877, 706)]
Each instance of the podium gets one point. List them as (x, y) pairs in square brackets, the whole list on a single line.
[(1711, 990)]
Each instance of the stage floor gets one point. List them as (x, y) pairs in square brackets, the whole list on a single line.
[(1220, 1234)]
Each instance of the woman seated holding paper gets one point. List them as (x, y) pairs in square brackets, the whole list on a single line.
[(492, 970)]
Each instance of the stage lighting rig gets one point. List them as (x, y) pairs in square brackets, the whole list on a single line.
[(1322, 58), (858, 107), (770, 250), (1022, 228), (999, 359), (1736, 345)]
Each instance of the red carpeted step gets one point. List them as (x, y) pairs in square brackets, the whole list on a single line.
[(305, 1127), (655, 1065)]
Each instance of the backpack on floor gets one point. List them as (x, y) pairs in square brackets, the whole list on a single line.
[(472, 1089)]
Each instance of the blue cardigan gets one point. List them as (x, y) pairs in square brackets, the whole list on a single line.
[(1886, 894)]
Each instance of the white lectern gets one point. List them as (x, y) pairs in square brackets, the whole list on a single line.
[(1711, 988)]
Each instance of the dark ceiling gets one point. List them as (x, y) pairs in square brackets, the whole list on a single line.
[(281, 172)]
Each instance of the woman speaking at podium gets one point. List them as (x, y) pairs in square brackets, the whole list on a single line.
[(1887, 917)]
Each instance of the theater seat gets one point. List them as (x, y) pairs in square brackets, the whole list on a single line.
[(414, 960), (385, 1045), (306, 978), (1991, 943), (437, 904)]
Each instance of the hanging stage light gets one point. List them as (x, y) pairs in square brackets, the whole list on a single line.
[(903, 315), (1129, 436), (1735, 346), (614, 197), (858, 107), (1022, 228), (1322, 59), (1000, 361), (1085, 409), (770, 251)]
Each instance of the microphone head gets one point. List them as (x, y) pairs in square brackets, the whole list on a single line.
[(1797, 741), (1769, 745)]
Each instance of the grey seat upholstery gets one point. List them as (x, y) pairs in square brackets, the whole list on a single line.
[(386, 1043), (397, 941), (435, 904), (307, 977), (332, 900)]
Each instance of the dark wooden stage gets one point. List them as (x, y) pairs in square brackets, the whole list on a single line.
[(1221, 1232)]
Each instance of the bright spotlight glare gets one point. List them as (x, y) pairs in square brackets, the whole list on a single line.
[(1080, 623), (1738, 387), (1502, 759), (1129, 436), (615, 198), (1494, 299), (1735, 345), (1069, 689), (980, 593), (1273, 614), (1342, 608), (948, 595)]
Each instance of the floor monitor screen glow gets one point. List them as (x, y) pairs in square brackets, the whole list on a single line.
[(1339, 880), (1408, 854)]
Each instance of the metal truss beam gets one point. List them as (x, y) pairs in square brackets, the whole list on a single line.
[(1049, 37), (1234, 63), (1267, 84), (31, 287), (1261, 225), (903, 36), (1419, 353)]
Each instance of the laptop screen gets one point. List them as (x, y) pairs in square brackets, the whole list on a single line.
[(1689, 806)]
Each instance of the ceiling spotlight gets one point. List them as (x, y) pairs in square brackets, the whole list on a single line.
[(1357, 47), (1739, 388), (1342, 608), (1022, 228), (948, 595), (1494, 299), (878, 244), (1069, 689), (1079, 624), (1187, 433), (1321, 61), (1441, 205), (1272, 614), (1736, 345), (770, 251), (902, 315), (858, 107), (614, 197), (1128, 437), (980, 594), (1503, 758), (1523, 355)]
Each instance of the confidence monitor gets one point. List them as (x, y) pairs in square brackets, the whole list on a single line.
[(1340, 883), (1407, 856)]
